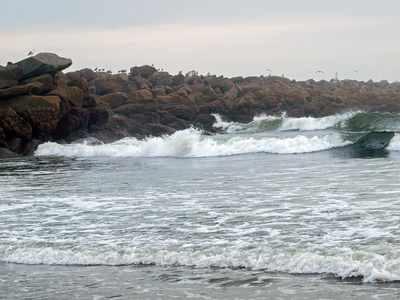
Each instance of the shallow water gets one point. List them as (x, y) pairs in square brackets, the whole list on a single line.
[(85, 222)]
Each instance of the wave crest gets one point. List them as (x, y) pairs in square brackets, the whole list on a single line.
[(190, 143)]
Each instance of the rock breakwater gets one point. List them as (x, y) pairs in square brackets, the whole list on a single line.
[(39, 103)]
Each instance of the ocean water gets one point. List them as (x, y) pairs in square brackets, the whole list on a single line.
[(281, 208)]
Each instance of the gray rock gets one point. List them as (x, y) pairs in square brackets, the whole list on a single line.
[(5, 153), (42, 63), (9, 76)]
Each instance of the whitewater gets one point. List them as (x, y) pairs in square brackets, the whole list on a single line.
[(280, 208), (265, 134)]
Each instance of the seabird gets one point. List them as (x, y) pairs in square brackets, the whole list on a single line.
[(320, 72), (31, 52)]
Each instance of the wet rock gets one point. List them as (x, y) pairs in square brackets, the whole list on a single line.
[(160, 130), (75, 119), (5, 153), (204, 121)]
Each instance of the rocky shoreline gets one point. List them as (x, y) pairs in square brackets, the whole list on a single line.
[(40, 103)]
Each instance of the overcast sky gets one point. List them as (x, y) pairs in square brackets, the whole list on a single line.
[(358, 39)]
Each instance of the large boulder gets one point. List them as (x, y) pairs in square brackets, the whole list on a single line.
[(80, 83), (76, 118), (5, 153), (108, 85), (224, 84), (37, 85), (9, 76), (42, 63), (143, 71), (74, 96), (14, 126), (43, 112), (160, 79), (115, 99), (204, 121)]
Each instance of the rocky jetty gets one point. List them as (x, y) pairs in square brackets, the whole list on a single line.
[(39, 103)]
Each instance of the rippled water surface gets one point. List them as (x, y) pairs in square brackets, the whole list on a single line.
[(238, 223), (200, 217)]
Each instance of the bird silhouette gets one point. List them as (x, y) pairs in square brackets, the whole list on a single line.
[(31, 52)]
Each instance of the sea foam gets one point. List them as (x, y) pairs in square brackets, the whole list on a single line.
[(284, 123), (190, 143), (394, 143), (345, 263)]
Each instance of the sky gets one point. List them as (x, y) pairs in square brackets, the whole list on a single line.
[(357, 39)]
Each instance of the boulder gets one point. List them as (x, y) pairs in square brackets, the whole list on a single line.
[(76, 118), (9, 76), (80, 83), (178, 79), (42, 63), (160, 79), (60, 79), (43, 112), (89, 100), (224, 84), (140, 94), (3, 142), (15, 145), (204, 121), (5, 153), (14, 126), (115, 99), (142, 83), (97, 115), (160, 130), (107, 85), (128, 110), (37, 85), (129, 126), (147, 103), (74, 96), (143, 71), (129, 86), (119, 127)]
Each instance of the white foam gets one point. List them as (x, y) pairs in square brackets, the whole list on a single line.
[(394, 143), (344, 263), (288, 123), (309, 123), (190, 143)]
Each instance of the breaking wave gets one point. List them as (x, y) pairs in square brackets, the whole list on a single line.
[(344, 263), (190, 143), (265, 134)]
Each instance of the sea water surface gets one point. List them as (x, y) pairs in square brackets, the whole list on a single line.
[(281, 208)]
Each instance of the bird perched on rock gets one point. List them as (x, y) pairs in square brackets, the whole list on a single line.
[(31, 52)]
